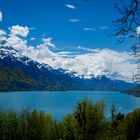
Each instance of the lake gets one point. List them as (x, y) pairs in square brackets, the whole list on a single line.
[(61, 103)]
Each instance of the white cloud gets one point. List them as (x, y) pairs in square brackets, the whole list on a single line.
[(17, 43), (138, 30), (88, 49), (103, 27), (1, 16), (74, 20), (43, 52), (32, 38), (65, 53), (37, 53), (19, 30), (2, 33), (89, 29), (48, 42), (14, 39), (70, 6)]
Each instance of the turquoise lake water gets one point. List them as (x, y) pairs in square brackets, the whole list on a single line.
[(61, 103)]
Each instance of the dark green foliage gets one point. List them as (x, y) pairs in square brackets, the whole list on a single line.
[(14, 80), (27, 126), (40, 126), (90, 118), (10, 126), (69, 128), (132, 125), (86, 123)]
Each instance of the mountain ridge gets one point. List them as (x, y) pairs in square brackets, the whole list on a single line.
[(44, 77)]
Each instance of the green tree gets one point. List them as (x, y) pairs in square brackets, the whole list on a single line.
[(40, 126), (12, 129), (132, 125), (90, 118), (69, 128)]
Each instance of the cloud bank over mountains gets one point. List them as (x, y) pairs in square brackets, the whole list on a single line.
[(92, 63)]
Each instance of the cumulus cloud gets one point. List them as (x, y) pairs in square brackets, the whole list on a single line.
[(19, 30), (38, 53), (14, 39), (74, 20), (48, 42), (2, 32), (70, 6), (89, 29), (1, 16), (17, 43), (95, 62)]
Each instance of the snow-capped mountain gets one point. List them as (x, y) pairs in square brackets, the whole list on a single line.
[(10, 53), (27, 74)]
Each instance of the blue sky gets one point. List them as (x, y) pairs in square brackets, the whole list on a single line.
[(51, 18)]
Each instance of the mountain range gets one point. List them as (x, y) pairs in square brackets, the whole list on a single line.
[(20, 73)]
